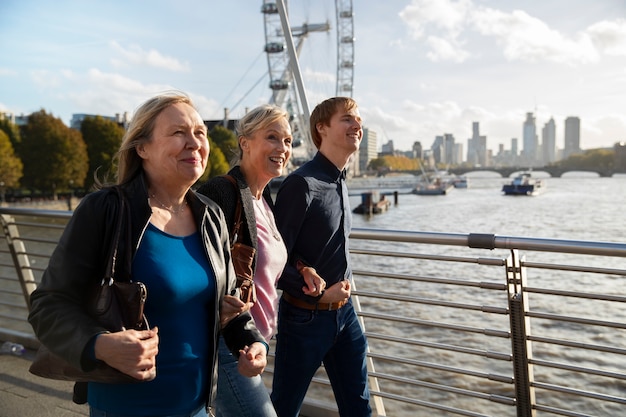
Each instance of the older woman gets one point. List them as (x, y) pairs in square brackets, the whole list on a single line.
[(180, 251), (264, 149)]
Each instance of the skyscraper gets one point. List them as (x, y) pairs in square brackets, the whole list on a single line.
[(572, 136), (368, 149), (477, 147), (548, 142), (529, 152)]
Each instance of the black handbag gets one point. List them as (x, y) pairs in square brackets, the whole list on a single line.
[(118, 305), (242, 255)]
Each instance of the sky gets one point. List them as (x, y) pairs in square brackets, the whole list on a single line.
[(423, 67)]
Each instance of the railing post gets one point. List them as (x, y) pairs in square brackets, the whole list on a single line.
[(520, 328), (378, 405), (19, 256)]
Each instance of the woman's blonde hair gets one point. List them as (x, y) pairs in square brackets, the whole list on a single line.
[(140, 131), (258, 118)]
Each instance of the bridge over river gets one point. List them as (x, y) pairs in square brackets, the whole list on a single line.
[(553, 171)]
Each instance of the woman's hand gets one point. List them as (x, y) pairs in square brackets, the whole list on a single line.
[(232, 307), (132, 352), (252, 360)]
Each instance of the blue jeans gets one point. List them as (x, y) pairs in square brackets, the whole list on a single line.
[(238, 395), (305, 339), (94, 412)]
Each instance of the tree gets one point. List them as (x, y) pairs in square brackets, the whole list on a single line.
[(10, 165), (591, 159), (54, 156), (216, 165), (226, 140), (12, 131), (103, 138), (394, 163)]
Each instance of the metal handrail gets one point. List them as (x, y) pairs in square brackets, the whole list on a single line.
[(476, 355)]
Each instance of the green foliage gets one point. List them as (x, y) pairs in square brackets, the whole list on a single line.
[(216, 165), (54, 156), (103, 138), (592, 159), (11, 167), (226, 141), (12, 131)]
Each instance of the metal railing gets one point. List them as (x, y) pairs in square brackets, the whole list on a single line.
[(450, 330)]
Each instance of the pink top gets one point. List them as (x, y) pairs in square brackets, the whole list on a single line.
[(271, 259)]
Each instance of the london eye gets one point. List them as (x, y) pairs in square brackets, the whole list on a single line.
[(282, 85)]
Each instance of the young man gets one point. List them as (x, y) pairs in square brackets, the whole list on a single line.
[(313, 215)]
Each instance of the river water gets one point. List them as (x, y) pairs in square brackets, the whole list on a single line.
[(575, 207)]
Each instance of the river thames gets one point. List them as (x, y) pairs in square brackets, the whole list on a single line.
[(578, 207), (575, 207)]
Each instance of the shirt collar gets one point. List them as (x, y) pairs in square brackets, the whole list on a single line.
[(330, 168)]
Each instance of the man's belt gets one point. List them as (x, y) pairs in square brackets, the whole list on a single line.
[(317, 306)]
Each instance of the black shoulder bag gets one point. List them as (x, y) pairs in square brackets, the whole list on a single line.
[(118, 305)]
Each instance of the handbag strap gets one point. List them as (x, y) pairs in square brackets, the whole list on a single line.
[(235, 236), (112, 258)]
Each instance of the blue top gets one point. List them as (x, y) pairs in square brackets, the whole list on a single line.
[(181, 294), (313, 215)]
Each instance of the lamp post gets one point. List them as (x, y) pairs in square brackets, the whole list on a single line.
[(2, 192), (71, 195)]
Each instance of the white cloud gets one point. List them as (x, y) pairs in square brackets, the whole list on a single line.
[(526, 38), (135, 55), (447, 25), (445, 14), (45, 79), (7, 72), (609, 36), (445, 50)]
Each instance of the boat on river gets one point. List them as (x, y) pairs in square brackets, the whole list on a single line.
[(460, 182), (524, 184), (438, 186)]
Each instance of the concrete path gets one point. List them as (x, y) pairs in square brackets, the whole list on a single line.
[(23, 394)]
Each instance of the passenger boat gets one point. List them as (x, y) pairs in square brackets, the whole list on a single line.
[(460, 182), (436, 187), (524, 184)]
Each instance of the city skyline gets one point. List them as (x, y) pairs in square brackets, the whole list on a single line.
[(423, 68)]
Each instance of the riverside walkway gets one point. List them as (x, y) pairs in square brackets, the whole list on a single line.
[(23, 394)]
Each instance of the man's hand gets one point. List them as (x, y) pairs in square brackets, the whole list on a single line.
[(314, 284), (339, 291), (252, 360)]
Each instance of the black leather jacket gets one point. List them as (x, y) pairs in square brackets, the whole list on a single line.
[(77, 265)]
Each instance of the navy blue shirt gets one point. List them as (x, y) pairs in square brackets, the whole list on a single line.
[(313, 215)]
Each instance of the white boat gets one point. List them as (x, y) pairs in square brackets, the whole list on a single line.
[(524, 184), (460, 182)]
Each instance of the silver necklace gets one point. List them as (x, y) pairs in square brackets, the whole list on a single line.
[(170, 209), (270, 223)]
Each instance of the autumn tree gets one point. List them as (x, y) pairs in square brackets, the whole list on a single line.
[(54, 156), (394, 163), (12, 131), (10, 165), (103, 138), (591, 159), (226, 140)]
